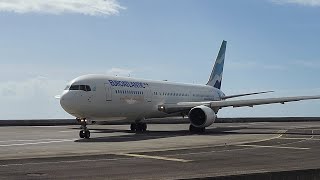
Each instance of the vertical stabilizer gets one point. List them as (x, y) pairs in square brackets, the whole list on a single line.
[(217, 71)]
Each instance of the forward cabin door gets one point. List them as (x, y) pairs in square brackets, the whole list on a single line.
[(148, 95), (108, 92)]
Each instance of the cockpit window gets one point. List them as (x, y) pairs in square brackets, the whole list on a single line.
[(67, 88), (88, 88), (74, 87), (82, 87), (79, 87)]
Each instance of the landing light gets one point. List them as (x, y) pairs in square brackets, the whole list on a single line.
[(161, 108)]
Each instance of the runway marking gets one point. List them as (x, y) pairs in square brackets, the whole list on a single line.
[(280, 133), (209, 152), (35, 143), (300, 138), (279, 147), (69, 131), (154, 157), (19, 140), (58, 162)]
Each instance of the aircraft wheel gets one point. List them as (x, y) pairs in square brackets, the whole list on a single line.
[(144, 127), (133, 127), (194, 129), (141, 127), (87, 134), (81, 134)]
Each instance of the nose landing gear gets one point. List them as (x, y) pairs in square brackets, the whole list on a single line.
[(84, 133), (138, 127)]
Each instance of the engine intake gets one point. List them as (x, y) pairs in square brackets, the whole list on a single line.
[(202, 116)]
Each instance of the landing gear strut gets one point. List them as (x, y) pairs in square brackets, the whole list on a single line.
[(84, 133), (194, 129), (138, 127)]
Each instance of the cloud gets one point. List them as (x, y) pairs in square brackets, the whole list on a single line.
[(312, 3), (307, 64), (31, 98), (57, 7), (27, 89)]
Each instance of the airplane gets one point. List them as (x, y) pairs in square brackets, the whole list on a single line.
[(104, 98)]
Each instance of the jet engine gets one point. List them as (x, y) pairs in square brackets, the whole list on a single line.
[(202, 116)]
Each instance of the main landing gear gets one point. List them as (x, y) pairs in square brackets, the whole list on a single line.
[(194, 129), (84, 133), (138, 127)]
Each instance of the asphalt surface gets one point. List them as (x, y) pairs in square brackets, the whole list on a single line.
[(165, 151)]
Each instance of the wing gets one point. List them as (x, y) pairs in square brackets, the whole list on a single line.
[(247, 94), (186, 106)]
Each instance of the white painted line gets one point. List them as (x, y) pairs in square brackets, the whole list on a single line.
[(288, 138), (58, 162), (154, 157), (279, 147), (35, 143), (69, 131), (210, 152), (22, 140), (280, 134)]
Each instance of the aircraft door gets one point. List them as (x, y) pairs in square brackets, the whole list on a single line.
[(148, 95), (108, 92)]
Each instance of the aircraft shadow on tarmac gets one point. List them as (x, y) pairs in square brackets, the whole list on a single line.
[(148, 135), (131, 136)]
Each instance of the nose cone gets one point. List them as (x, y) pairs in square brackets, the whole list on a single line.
[(67, 103)]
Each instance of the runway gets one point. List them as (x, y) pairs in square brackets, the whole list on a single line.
[(165, 151)]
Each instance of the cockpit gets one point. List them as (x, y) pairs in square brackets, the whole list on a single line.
[(78, 88)]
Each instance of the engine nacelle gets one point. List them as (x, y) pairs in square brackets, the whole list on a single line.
[(202, 116)]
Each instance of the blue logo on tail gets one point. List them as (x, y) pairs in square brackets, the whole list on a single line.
[(217, 71)]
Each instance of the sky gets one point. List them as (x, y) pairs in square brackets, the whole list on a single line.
[(272, 45)]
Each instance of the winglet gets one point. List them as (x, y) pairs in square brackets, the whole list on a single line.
[(217, 71)]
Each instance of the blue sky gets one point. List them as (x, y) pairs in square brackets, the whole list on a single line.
[(272, 45)]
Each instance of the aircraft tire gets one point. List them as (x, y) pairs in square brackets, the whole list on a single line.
[(144, 127), (87, 134), (141, 127), (133, 127), (194, 129), (81, 134)]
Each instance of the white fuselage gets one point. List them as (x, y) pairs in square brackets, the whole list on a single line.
[(101, 97)]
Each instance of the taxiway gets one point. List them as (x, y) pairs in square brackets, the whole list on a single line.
[(165, 151)]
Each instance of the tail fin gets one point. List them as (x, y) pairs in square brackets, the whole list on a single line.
[(217, 71)]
